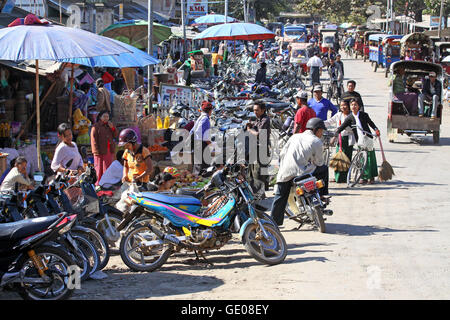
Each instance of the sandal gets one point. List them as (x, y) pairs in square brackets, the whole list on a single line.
[(364, 181), (371, 181)]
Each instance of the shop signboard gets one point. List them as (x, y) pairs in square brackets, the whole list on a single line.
[(196, 8)]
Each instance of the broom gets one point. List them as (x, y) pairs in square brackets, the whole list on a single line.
[(340, 162), (386, 170)]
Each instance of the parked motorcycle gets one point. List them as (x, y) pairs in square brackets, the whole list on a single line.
[(31, 263), (305, 205)]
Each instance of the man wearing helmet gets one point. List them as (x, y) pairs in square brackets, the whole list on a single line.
[(137, 163), (301, 155)]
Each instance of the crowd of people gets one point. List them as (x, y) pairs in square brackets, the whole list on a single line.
[(302, 154)]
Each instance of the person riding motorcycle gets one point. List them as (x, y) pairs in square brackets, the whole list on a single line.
[(302, 154)]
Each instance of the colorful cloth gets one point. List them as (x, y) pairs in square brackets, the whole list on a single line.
[(371, 169), (136, 163)]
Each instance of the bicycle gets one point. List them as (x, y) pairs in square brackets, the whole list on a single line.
[(359, 161), (328, 146), (335, 90)]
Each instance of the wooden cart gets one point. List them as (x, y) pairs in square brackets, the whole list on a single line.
[(403, 118)]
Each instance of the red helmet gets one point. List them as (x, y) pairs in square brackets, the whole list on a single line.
[(127, 135)]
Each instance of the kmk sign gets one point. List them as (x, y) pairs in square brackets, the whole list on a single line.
[(196, 8)]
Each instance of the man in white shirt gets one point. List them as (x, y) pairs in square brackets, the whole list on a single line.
[(301, 155), (113, 175), (315, 66)]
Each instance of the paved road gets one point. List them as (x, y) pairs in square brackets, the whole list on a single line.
[(385, 241)]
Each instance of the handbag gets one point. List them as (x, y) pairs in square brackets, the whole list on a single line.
[(366, 142)]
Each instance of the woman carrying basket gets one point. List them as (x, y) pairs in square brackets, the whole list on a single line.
[(360, 122), (347, 139)]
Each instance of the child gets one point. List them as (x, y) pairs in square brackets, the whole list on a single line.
[(18, 174)]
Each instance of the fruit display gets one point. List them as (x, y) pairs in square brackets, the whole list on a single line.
[(187, 179), (157, 148)]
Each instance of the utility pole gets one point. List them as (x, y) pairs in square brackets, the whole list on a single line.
[(150, 52), (440, 18), (226, 11), (183, 22), (245, 11)]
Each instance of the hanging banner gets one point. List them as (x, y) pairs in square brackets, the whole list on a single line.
[(196, 8)]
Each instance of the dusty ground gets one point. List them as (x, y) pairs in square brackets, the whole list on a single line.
[(385, 241)]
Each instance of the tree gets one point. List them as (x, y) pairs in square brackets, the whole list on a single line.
[(434, 8)]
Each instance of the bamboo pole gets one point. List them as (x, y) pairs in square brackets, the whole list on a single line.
[(71, 94), (125, 79), (38, 118)]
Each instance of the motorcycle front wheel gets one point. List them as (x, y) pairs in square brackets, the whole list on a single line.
[(138, 255), (58, 262), (270, 251)]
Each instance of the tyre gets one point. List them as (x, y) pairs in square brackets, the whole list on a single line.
[(330, 93), (386, 72), (100, 243), (356, 169), (58, 262), (326, 156), (139, 257), (269, 251), (89, 252), (356, 55), (112, 236), (318, 218), (80, 257)]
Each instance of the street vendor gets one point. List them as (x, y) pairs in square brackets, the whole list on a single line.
[(197, 65), (137, 165), (201, 136)]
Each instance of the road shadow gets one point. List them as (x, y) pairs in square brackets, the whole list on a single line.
[(355, 230), (144, 285), (390, 185), (404, 151), (428, 141)]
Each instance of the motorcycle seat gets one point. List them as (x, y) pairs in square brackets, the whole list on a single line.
[(277, 106), (21, 229), (192, 193), (172, 199)]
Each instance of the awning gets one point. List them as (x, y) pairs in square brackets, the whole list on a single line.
[(177, 32), (45, 66)]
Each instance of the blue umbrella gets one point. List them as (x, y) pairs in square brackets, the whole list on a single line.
[(236, 31), (136, 59), (52, 42), (213, 19)]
